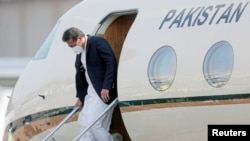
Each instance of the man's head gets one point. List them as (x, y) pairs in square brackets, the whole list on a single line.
[(73, 36), (75, 39)]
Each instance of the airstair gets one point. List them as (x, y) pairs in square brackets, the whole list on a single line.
[(55, 129)]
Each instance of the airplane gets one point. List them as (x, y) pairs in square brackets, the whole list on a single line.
[(5, 93), (182, 65), (11, 68)]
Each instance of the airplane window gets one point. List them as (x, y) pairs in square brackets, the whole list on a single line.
[(43, 51), (162, 68), (218, 64)]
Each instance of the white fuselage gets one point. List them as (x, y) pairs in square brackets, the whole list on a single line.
[(190, 28)]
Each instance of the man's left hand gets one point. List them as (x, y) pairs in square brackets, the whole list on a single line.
[(105, 95)]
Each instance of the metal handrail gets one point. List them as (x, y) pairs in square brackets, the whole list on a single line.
[(90, 125), (61, 123)]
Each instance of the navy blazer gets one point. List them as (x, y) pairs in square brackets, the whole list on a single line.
[(102, 69)]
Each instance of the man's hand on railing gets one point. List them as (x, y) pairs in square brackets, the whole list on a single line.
[(78, 104)]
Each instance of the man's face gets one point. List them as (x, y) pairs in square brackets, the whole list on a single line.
[(71, 43)]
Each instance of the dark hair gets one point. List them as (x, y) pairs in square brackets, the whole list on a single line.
[(72, 33)]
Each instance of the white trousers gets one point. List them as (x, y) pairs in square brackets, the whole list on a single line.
[(93, 107)]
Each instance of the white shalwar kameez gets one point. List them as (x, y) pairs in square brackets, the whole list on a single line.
[(93, 107)]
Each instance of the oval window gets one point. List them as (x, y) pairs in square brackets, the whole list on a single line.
[(162, 68), (218, 64)]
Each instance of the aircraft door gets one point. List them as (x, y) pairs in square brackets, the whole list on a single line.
[(114, 28)]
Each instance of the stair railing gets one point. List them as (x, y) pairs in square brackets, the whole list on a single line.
[(61, 123), (94, 121)]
